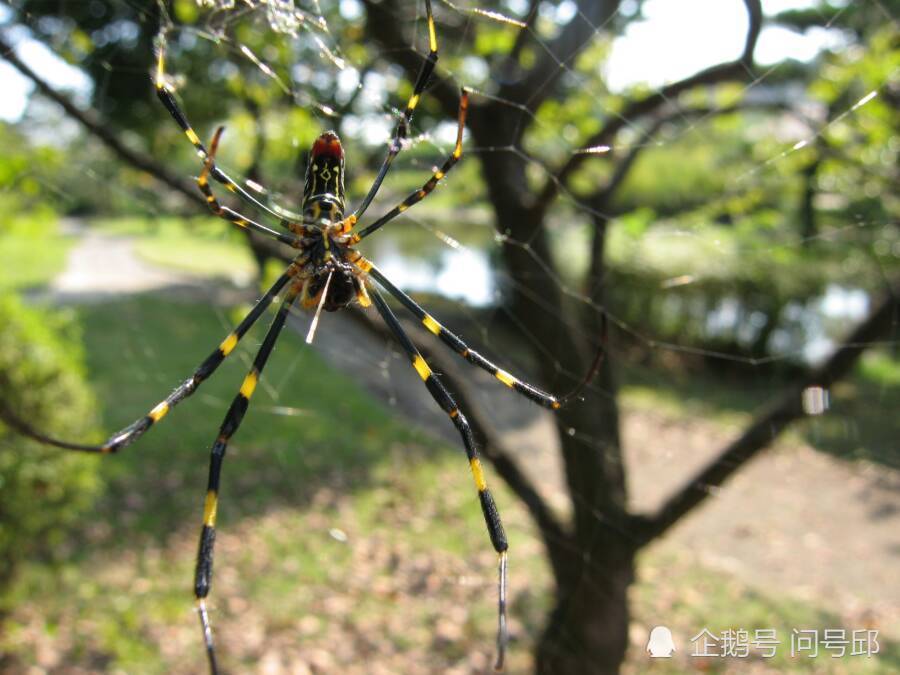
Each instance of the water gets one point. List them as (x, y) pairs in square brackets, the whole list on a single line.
[(811, 329)]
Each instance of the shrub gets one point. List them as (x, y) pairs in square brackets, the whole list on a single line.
[(42, 489)]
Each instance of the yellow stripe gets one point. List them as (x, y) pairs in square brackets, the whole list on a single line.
[(363, 297), (555, 405), (209, 508), (413, 102), (228, 344), (478, 474), (249, 384), (160, 70), (192, 136), (431, 324), (432, 36), (505, 378), (402, 208), (421, 367), (439, 175), (159, 411)]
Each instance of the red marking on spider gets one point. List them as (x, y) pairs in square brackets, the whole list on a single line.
[(328, 145)]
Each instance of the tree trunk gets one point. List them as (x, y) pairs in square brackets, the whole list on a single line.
[(587, 632)]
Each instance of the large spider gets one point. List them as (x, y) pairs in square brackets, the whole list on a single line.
[(327, 273)]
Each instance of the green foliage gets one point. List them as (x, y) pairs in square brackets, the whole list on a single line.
[(32, 251), (111, 41), (42, 490)]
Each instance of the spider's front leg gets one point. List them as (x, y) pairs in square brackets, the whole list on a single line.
[(236, 218), (403, 125), (164, 94), (491, 515)]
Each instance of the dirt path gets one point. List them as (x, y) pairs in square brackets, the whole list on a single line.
[(794, 521)]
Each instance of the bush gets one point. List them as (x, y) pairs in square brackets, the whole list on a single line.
[(42, 490)]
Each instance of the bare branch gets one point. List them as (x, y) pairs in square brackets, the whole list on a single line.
[(513, 57), (741, 69), (540, 81), (140, 161), (383, 25), (599, 200), (883, 321), (90, 122)]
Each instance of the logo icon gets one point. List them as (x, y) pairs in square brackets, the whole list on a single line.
[(660, 645)]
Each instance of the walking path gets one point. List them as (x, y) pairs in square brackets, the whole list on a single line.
[(794, 520)]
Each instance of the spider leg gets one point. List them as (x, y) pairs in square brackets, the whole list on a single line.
[(233, 216), (231, 423), (460, 347), (426, 189), (136, 429), (403, 125), (168, 100), (491, 515)]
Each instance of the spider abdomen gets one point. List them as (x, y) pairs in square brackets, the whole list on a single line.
[(343, 288)]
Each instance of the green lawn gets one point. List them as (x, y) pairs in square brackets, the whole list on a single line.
[(346, 538), (204, 245), (32, 251)]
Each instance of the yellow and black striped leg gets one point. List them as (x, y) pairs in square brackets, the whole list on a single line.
[(456, 343), (233, 418), (168, 100), (403, 125), (426, 189), (233, 216), (136, 429), (488, 507)]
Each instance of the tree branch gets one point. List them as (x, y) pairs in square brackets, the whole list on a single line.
[(512, 59), (741, 68), (884, 320), (599, 200), (383, 21), (540, 81), (88, 120), (138, 160)]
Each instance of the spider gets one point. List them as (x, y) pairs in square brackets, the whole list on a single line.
[(327, 274)]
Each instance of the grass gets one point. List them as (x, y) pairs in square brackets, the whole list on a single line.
[(32, 251), (203, 245), (675, 591), (348, 541)]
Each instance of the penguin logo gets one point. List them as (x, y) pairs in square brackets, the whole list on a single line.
[(661, 645)]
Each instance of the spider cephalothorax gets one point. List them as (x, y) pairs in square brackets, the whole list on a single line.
[(326, 256), (323, 195)]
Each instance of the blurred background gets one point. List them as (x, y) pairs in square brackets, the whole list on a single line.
[(707, 190)]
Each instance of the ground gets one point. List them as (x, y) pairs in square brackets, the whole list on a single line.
[(795, 523)]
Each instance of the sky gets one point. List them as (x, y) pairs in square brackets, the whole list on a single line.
[(678, 37)]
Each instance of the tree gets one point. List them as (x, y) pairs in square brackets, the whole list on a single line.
[(549, 72)]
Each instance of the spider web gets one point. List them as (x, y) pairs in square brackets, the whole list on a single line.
[(451, 257)]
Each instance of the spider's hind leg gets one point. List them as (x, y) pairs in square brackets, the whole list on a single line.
[(231, 423), (491, 514)]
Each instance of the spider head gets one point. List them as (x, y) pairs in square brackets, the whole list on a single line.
[(325, 174)]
